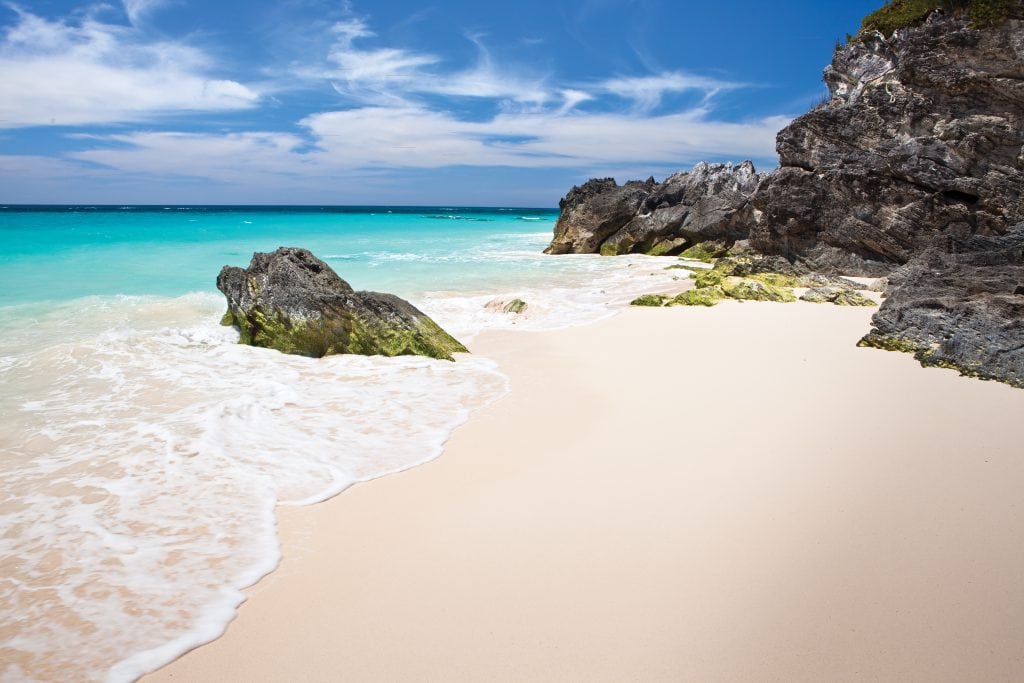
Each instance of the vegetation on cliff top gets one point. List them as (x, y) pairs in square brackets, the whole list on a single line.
[(897, 14)]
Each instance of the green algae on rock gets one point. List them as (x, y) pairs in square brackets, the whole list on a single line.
[(293, 302), (705, 296), (931, 356), (746, 289), (777, 279), (705, 251), (515, 306), (649, 300)]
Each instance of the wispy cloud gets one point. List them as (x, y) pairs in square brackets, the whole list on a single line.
[(138, 9), (224, 158), (91, 72), (647, 91), (388, 73), (415, 137)]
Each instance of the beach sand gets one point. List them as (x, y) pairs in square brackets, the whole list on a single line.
[(736, 493)]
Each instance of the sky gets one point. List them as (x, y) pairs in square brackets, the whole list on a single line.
[(395, 101)]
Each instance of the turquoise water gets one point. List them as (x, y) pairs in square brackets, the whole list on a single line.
[(144, 450), (75, 251)]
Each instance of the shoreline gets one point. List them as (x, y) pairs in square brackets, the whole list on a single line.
[(751, 497)]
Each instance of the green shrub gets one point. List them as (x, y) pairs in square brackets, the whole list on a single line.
[(897, 14)]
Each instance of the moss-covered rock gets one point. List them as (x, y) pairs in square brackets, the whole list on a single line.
[(649, 300), (930, 356), (515, 306), (706, 296), (837, 296), (746, 289), (705, 251), (291, 301), (889, 343), (663, 247), (777, 279)]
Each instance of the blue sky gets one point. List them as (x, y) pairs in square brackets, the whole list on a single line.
[(394, 102)]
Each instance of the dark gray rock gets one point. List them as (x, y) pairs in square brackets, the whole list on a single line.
[(840, 296), (590, 213), (291, 301), (922, 136), (710, 202), (960, 304)]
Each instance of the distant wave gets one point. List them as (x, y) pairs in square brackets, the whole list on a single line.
[(452, 217)]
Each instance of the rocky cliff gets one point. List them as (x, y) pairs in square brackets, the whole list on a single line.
[(914, 167), (710, 202), (921, 138)]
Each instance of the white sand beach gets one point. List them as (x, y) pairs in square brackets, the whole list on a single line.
[(685, 494)]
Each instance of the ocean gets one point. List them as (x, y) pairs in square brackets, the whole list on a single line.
[(143, 450)]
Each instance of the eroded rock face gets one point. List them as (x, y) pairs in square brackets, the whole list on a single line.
[(710, 202), (961, 306), (923, 137), (291, 301)]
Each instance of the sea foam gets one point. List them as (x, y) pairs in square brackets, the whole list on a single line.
[(142, 466)]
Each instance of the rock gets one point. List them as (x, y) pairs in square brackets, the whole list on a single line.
[(515, 306), (705, 251), (746, 289), (649, 300), (592, 212), (291, 301), (705, 296), (777, 279), (922, 137), (839, 296), (836, 282), (711, 202), (961, 306)]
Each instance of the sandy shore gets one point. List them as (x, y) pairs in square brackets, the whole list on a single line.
[(736, 493)]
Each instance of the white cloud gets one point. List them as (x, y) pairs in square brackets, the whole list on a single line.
[(647, 91), (380, 138), (235, 157), (137, 9), (571, 98), (92, 72), (418, 137), (373, 75)]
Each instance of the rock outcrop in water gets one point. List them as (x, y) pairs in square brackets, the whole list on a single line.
[(709, 203), (914, 166), (292, 301)]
